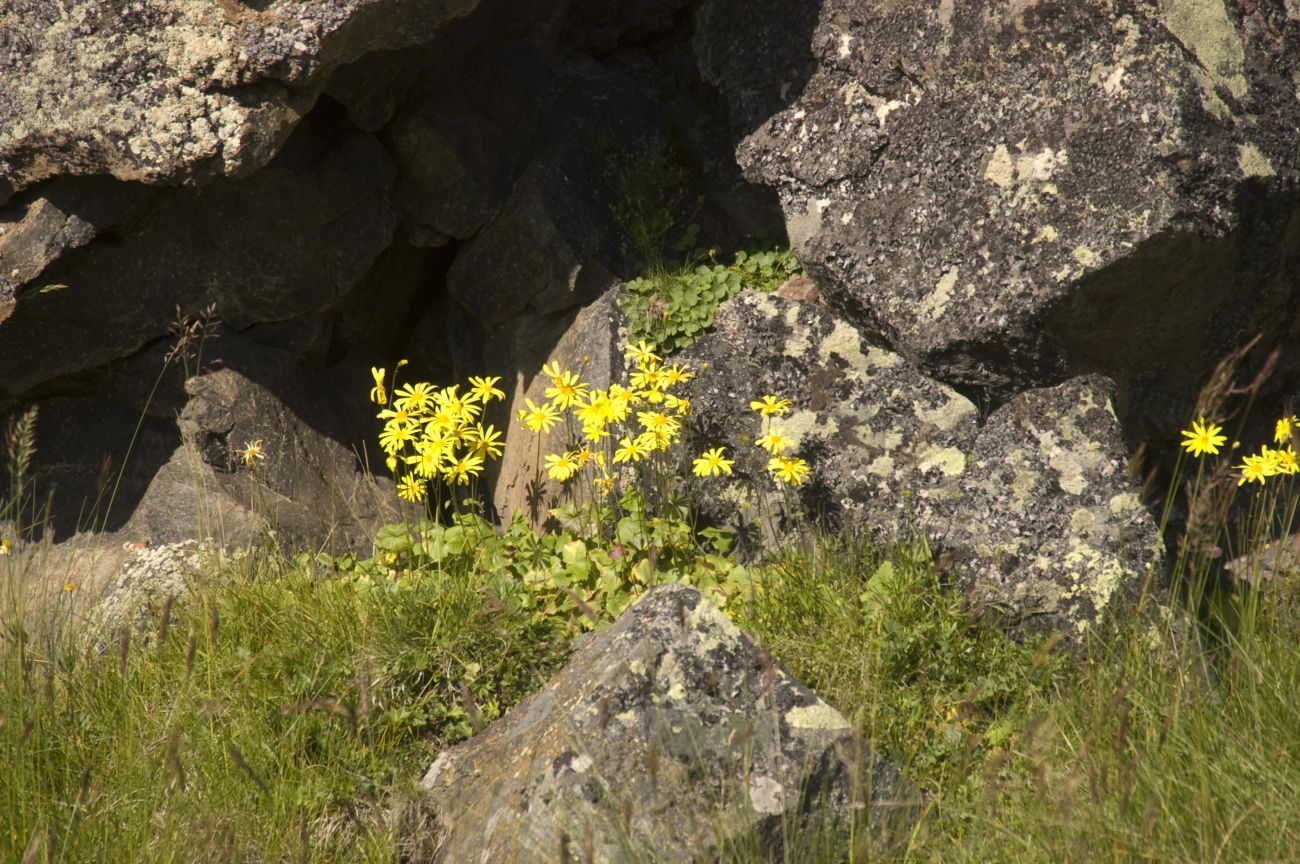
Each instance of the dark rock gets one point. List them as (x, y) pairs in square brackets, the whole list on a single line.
[(665, 734), (163, 92), (1011, 195), (884, 443), (1035, 510), (308, 492), (290, 240)]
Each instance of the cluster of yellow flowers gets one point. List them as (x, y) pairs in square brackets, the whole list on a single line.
[(435, 433), (604, 418), (1205, 438)]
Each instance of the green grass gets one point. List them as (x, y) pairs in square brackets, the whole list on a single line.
[(268, 724), (286, 708)]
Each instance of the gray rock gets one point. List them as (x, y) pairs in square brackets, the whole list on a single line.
[(1008, 195), (1034, 511), (148, 579), (587, 345), (1049, 530), (168, 92), (885, 443), (663, 734)]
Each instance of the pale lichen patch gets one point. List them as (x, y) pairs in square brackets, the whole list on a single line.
[(938, 300), (1254, 163), (948, 415), (818, 715), (949, 460)]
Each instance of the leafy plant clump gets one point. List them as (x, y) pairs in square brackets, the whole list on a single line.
[(673, 308)]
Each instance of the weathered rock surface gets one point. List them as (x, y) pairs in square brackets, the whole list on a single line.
[(664, 733), (590, 347), (309, 491), (1048, 529), (885, 442), (1034, 510), (1007, 195), (166, 92), (291, 240)]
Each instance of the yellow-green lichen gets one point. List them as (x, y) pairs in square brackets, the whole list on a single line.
[(1205, 27), (818, 715), (949, 460), (1254, 163), (947, 416)]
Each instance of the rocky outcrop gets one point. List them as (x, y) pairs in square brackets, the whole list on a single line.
[(1033, 510), (1008, 195), (665, 734), (165, 92), (1048, 529)]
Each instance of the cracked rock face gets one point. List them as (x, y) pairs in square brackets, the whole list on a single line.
[(664, 732), (885, 443), (1034, 510), (1048, 530), (167, 92), (1008, 195)]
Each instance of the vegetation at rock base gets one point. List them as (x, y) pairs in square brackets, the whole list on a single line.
[(286, 706)]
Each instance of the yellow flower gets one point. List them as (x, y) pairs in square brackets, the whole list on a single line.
[(711, 463), (378, 394), (680, 404), (484, 389), (788, 470), (6, 546), (411, 488), (642, 353), (1285, 461), (568, 390), (561, 466), (1203, 438), (770, 405), (391, 462), (486, 441), (675, 374), (539, 418), (252, 452), (396, 436), (647, 378), (773, 442), (553, 371), (414, 398), (461, 470), (1253, 470), (69, 586), (427, 459), (659, 423), (631, 450)]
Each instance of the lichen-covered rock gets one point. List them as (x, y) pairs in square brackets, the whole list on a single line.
[(1007, 194), (884, 442), (146, 580), (166, 92), (664, 734), (1049, 530)]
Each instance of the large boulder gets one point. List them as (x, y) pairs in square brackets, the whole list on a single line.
[(885, 443), (665, 734), (1010, 194), (1048, 530), (291, 240), (168, 92), (1033, 510)]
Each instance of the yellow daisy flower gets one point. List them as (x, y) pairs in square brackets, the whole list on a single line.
[(538, 418), (484, 389), (712, 463), (1203, 438), (561, 466), (411, 488), (773, 441), (770, 406), (788, 470), (378, 394)]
